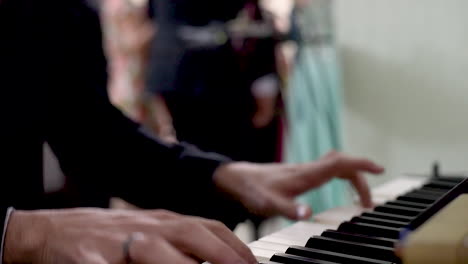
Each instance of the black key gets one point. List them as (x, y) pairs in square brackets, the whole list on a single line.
[(451, 179), (408, 204), (332, 256), (427, 194), (352, 248), (440, 184), (394, 217), (377, 221), (370, 230), (434, 190), (293, 259), (416, 198), (378, 241), (443, 182), (399, 210)]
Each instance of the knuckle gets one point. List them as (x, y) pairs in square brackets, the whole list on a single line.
[(268, 202), (217, 226), (164, 214), (189, 226)]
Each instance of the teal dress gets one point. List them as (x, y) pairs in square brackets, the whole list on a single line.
[(313, 102)]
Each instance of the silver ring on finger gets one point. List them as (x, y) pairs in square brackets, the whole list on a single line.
[(127, 245)]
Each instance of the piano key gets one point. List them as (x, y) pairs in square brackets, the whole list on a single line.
[(370, 230), (451, 179), (408, 204), (297, 234), (440, 184), (282, 240), (378, 241), (336, 216), (376, 200), (399, 210), (397, 186), (425, 195), (262, 254), (434, 190), (394, 217), (428, 192), (379, 222), (292, 259), (443, 182), (353, 248), (332, 256), (269, 245), (416, 198)]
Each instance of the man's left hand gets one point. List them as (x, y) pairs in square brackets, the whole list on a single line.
[(270, 189)]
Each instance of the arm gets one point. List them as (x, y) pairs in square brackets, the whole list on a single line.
[(103, 152), (161, 119)]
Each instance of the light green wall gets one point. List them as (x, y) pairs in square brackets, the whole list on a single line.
[(406, 81)]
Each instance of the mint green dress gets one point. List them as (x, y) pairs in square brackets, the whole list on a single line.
[(313, 102)]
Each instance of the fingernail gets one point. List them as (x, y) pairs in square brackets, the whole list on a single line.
[(302, 211)]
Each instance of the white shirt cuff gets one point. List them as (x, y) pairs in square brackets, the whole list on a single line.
[(5, 226)]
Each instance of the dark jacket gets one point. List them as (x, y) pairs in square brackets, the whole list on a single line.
[(52, 89)]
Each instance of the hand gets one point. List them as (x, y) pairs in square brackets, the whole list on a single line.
[(262, 119), (96, 236), (168, 134), (270, 189)]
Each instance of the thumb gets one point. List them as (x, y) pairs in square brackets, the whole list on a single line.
[(290, 208)]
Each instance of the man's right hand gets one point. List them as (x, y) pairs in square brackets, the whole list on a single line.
[(97, 236)]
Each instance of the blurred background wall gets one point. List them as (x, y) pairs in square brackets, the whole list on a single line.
[(405, 67)]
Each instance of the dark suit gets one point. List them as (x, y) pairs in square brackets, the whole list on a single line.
[(52, 85)]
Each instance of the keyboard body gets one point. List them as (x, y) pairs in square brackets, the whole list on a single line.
[(356, 235)]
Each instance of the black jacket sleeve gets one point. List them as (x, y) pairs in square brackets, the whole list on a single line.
[(3, 211), (102, 151)]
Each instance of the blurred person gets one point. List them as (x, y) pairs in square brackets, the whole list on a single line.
[(127, 37), (313, 100), (213, 77), (52, 70)]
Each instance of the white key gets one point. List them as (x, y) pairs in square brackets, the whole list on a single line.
[(297, 234), (262, 254), (392, 189), (338, 215), (279, 248), (396, 187), (284, 241)]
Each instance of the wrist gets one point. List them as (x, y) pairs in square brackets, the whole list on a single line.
[(229, 177), (24, 237)]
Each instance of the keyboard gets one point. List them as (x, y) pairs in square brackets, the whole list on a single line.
[(351, 235)]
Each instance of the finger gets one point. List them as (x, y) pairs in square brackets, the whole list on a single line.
[(289, 208), (365, 165), (156, 250), (360, 184), (230, 239), (197, 240), (95, 258), (161, 214)]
